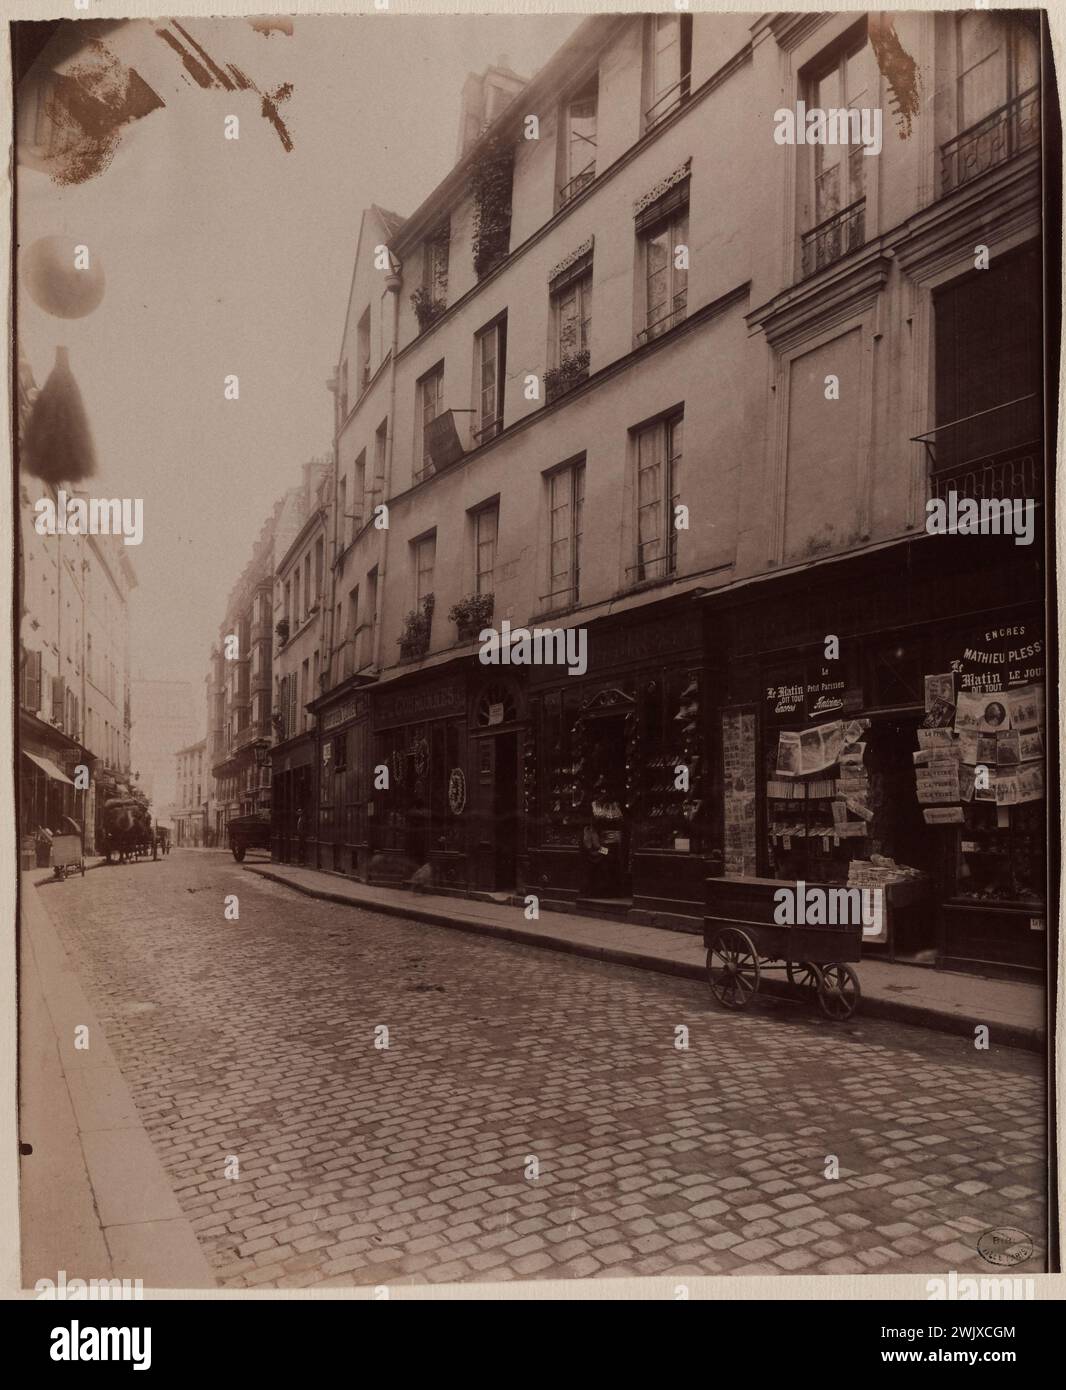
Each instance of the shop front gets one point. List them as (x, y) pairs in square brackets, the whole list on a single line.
[(614, 772), (292, 801), (881, 726), (48, 794), (344, 781), (418, 811)]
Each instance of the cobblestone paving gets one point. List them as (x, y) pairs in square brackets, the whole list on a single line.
[(360, 1165)]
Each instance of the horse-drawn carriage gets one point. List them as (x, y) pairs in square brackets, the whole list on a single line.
[(126, 830)]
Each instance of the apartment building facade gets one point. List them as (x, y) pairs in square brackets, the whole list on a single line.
[(239, 684), (301, 629), (191, 776), (74, 660), (640, 370)]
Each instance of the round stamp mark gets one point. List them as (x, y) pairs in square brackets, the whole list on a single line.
[(1005, 1246)]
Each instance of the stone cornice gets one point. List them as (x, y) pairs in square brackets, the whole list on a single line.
[(823, 300)]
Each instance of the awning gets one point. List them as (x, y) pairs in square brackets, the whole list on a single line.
[(48, 768)]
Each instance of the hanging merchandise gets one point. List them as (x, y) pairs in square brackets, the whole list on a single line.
[(457, 791)]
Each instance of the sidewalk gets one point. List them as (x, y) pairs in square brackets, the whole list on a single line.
[(947, 1001), (95, 1200)]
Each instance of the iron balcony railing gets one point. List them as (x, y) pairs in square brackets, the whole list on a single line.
[(999, 136), (673, 316), (670, 100), (650, 566), (577, 183), (843, 232), (995, 453)]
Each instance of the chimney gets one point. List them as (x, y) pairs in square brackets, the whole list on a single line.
[(483, 98)]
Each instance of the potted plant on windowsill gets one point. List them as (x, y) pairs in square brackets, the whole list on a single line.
[(428, 307), (282, 629), (414, 640), (573, 368), (491, 184), (471, 614)]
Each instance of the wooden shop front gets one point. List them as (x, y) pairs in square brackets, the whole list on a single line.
[(614, 776)]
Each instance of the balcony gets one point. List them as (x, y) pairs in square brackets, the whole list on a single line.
[(838, 235), (669, 102), (670, 319), (996, 453), (1004, 133), (577, 184)]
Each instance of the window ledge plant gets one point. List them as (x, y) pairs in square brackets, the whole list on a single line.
[(428, 307), (414, 640), (471, 614), (573, 368)]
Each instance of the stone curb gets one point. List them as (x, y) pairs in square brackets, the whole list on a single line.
[(145, 1233), (896, 1011)]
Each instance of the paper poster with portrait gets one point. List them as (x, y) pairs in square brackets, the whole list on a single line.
[(994, 717), (939, 689)]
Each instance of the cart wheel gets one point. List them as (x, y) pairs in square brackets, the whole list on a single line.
[(733, 968), (802, 973), (839, 991)]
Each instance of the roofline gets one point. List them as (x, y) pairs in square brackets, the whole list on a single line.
[(591, 36)]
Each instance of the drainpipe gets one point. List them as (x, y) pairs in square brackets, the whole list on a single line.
[(393, 283)]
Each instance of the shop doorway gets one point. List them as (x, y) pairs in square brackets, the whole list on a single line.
[(605, 836), (505, 811)]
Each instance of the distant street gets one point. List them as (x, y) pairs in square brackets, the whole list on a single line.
[(531, 1116)]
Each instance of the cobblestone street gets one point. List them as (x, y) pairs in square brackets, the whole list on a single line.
[(531, 1116)]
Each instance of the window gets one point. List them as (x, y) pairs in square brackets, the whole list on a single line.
[(353, 628), (658, 492), (309, 601), (486, 532), (837, 190), (287, 611), (371, 620), (997, 93), (297, 615), (665, 250), (381, 440), (319, 567), (430, 405), (566, 495), (305, 691), (571, 320), (668, 65), (491, 358), (342, 390), (435, 255), (363, 353), (343, 531), (578, 128), (425, 561)]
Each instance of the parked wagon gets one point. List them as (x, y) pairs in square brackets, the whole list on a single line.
[(68, 854), (744, 943)]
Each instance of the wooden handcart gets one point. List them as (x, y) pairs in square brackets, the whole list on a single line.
[(744, 943), (68, 854)]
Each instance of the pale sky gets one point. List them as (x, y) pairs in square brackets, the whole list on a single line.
[(235, 257)]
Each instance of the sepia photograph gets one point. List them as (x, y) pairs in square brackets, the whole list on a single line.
[(534, 662)]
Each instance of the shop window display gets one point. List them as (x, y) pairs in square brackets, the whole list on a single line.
[(670, 764)]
